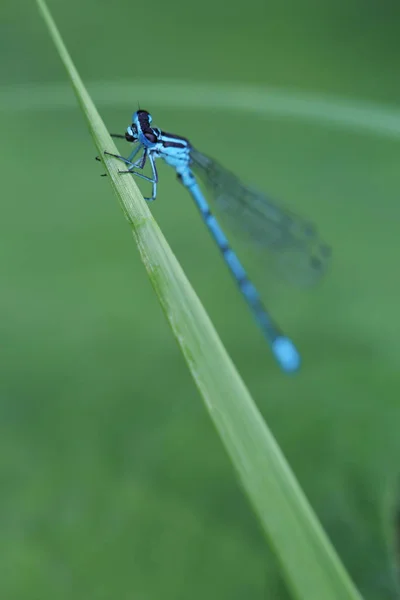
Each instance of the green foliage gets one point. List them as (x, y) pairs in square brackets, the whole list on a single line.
[(114, 484)]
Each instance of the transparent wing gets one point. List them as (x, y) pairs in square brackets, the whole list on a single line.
[(283, 240)]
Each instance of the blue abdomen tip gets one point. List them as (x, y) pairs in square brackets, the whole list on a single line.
[(286, 354)]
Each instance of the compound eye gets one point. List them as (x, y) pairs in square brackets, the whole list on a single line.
[(131, 133)]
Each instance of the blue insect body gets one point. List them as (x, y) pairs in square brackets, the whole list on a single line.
[(291, 241)]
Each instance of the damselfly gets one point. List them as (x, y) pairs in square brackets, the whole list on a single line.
[(290, 240)]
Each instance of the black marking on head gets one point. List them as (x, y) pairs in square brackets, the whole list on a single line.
[(129, 138), (144, 121)]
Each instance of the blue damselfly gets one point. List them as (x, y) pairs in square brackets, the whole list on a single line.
[(292, 241)]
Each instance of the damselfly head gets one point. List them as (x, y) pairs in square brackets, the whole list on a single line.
[(142, 119), (143, 115)]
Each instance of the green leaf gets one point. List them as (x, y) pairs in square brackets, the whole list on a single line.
[(308, 560)]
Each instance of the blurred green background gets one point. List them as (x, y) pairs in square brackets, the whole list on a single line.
[(113, 481)]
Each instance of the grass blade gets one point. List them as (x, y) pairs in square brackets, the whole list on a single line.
[(308, 560)]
